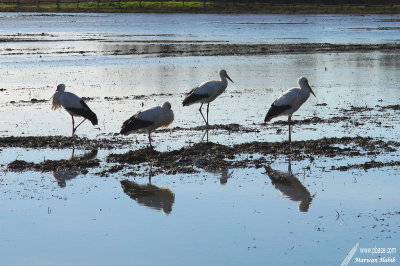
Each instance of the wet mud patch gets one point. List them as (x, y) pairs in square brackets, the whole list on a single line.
[(60, 142), (31, 101), (357, 115), (357, 109), (375, 29), (221, 49), (216, 157), (54, 165), (326, 147), (163, 48), (137, 97), (227, 127), (314, 120), (213, 157), (176, 161), (390, 107), (367, 165)]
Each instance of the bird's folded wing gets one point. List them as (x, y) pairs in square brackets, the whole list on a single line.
[(275, 111), (133, 124), (194, 97)]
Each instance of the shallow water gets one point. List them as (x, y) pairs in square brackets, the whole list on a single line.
[(340, 80), (205, 27), (245, 221), (225, 216)]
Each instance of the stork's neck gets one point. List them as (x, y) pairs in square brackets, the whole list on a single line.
[(56, 103), (305, 89), (224, 82), (57, 94)]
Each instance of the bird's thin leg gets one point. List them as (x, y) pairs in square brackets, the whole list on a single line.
[(150, 173), (202, 113), (79, 124), (73, 126), (208, 106), (205, 134), (290, 129), (151, 146)]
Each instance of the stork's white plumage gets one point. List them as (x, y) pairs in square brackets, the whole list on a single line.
[(289, 102), (207, 92), (74, 105), (149, 120)]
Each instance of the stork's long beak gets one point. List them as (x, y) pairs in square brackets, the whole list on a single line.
[(229, 78), (311, 90)]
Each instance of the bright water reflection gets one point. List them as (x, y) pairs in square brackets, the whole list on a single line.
[(241, 222), (216, 216)]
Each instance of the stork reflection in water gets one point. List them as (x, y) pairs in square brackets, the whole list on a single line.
[(62, 174), (222, 171), (151, 196), (290, 187)]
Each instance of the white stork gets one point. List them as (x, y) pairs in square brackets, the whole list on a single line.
[(149, 120), (289, 102), (74, 105), (207, 92)]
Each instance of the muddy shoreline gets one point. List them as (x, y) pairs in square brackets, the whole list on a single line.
[(162, 48)]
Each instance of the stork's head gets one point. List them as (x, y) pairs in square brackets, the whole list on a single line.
[(60, 87), (166, 105), (222, 73), (303, 83)]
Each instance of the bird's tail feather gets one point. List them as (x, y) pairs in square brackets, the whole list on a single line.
[(267, 118), (92, 117), (275, 111)]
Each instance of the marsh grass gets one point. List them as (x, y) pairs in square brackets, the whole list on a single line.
[(196, 7)]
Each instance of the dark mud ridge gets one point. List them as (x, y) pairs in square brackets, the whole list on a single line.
[(54, 165), (60, 142), (213, 157), (195, 49), (367, 165), (163, 48), (227, 127)]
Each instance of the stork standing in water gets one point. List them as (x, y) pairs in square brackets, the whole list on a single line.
[(289, 102), (149, 120), (74, 105), (207, 92)]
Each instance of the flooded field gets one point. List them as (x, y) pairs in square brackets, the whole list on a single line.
[(235, 193)]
